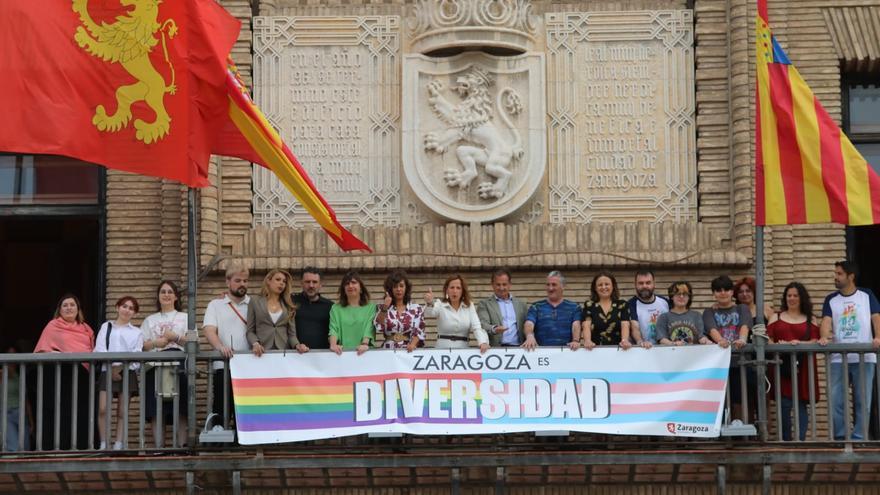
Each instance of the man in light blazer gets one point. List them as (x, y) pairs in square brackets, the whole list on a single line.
[(502, 315)]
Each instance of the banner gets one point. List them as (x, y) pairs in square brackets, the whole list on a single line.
[(670, 391)]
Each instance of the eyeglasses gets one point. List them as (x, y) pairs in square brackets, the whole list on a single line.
[(686, 294)]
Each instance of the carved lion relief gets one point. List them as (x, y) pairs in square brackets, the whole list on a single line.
[(477, 138), (474, 146)]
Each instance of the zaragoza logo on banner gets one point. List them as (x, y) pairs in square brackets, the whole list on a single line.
[(128, 41), (662, 391)]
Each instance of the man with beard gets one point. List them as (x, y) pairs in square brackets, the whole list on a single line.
[(644, 308), (850, 315), (312, 311), (225, 325)]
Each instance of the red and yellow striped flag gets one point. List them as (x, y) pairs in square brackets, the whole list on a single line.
[(261, 144), (807, 170)]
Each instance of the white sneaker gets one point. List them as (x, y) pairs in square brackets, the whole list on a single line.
[(102, 446), (117, 446)]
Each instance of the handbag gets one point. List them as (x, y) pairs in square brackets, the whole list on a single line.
[(785, 370), (166, 380)]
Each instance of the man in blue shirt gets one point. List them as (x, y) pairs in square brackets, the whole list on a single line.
[(554, 321)]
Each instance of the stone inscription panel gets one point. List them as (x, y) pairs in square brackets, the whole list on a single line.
[(621, 106), (331, 86)]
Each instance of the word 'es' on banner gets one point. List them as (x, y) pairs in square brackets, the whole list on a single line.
[(661, 391)]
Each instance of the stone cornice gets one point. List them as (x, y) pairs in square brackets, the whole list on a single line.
[(474, 246)]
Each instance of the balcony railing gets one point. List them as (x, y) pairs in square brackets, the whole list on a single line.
[(57, 398)]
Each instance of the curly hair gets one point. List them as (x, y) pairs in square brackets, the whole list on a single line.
[(806, 303), (391, 281)]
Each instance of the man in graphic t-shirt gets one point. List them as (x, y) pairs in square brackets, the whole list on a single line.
[(850, 315), (728, 323), (644, 309)]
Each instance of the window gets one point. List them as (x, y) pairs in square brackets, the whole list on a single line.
[(47, 179), (862, 119)]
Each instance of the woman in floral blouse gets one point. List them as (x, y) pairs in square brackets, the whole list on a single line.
[(401, 321), (605, 315)]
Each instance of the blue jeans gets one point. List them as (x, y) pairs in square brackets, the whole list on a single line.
[(787, 405), (12, 429), (859, 397)]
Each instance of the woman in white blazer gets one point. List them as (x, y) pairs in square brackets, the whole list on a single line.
[(456, 316)]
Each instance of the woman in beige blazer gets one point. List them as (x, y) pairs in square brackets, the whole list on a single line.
[(270, 323)]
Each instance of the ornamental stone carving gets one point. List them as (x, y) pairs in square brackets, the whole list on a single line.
[(444, 24), (331, 85), (474, 135), (621, 106)]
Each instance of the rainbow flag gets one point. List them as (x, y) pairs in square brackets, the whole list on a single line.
[(318, 395), (252, 138), (807, 170)]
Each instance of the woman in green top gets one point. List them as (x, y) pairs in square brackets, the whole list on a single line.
[(351, 319)]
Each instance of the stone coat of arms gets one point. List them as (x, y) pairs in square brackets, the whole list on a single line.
[(474, 142)]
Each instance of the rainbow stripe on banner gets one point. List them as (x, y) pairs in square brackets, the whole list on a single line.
[(289, 399)]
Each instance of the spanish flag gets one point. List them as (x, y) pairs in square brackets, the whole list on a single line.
[(807, 170), (252, 138)]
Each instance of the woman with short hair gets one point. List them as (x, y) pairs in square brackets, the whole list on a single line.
[(681, 325), (118, 335), (744, 292), (456, 316)]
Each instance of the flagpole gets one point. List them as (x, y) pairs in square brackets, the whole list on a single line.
[(759, 339), (192, 338)]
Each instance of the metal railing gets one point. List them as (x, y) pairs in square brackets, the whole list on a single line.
[(55, 397), (794, 384)]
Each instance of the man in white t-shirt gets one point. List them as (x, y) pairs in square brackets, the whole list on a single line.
[(850, 315), (644, 309), (225, 326)]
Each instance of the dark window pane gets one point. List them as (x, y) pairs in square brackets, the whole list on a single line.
[(864, 109), (871, 152), (8, 176), (46, 179)]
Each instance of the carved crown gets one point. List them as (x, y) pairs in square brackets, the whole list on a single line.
[(444, 24)]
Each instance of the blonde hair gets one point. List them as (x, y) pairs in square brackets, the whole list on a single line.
[(285, 294)]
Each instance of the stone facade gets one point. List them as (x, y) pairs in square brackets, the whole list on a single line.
[(147, 218)]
